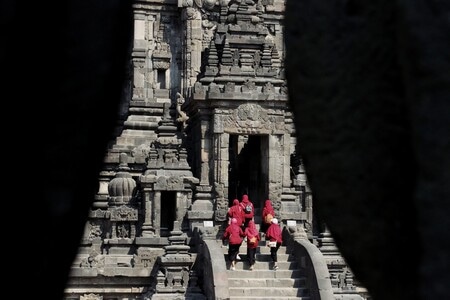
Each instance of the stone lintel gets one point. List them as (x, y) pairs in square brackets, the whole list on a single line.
[(245, 40), (139, 280), (178, 260), (159, 107), (106, 290), (242, 130), (147, 180), (200, 215), (293, 215), (99, 214), (151, 241), (126, 271), (121, 241), (169, 294), (289, 198), (84, 272)]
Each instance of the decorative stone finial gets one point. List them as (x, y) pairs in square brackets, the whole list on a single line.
[(121, 187)]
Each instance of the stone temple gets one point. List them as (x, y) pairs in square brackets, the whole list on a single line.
[(204, 120)]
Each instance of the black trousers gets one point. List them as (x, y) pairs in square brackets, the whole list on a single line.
[(233, 250), (273, 252), (251, 254)]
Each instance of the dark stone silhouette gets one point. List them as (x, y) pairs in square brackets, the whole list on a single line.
[(63, 65), (369, 86)]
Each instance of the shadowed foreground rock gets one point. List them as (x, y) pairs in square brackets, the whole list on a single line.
[(370, 88), (64, 68)]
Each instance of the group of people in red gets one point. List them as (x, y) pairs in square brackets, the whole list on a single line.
[(241, 225)]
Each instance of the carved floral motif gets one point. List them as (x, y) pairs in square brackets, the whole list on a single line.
[(124, 213), (91, 297)]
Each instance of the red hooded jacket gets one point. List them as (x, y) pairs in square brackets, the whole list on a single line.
[(234, 234), (267, 209), (237, 212), (274, 233), (250, 232), (245, 201)]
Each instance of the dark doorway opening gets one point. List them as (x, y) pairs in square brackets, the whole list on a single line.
[(168, 209), (248, 168), (161, 78)]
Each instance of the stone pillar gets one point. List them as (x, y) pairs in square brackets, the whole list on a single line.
[(192, 43), (147, 227), (138, 57), (275, 170), (223, 160), (101, 199), (205, 151), (157, 212)]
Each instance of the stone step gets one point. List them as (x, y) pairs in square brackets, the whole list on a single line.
[(287, 282), (261, 249), (269, 298), (268, 282), (265, 256), (265, 265), (267, 292), (264, 274)]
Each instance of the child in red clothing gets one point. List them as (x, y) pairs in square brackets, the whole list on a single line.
[(234, 234), (248, 208), (253, 238), (267, 209), (274, 234), (236, 211)]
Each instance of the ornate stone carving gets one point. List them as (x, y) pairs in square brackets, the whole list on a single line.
[(248, 86), (173, 183), (123, 230), (213, 88), (192, 13), (161, 55), (121, 188), (249, 112), (268, 88), (94, 260), (91, 297), (124, 213), (145, 258), (249, 118), (229, 87), (95, 231), (209, 29), (199, 90), (182, 116), (141, 151), (221, 203)]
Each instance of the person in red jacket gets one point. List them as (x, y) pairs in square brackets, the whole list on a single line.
[(234, 234), (253, 238), (248, 208), (274, 234), (267, 220), (236, 211)]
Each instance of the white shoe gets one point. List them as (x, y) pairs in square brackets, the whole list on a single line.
[(232, 268), (238, 257)]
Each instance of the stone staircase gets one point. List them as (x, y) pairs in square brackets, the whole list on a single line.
[(287, 282)]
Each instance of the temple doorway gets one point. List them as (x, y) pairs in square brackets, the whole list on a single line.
[(168, 212), (248, 168)]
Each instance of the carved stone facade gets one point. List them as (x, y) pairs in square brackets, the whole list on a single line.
[(206, 119)]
